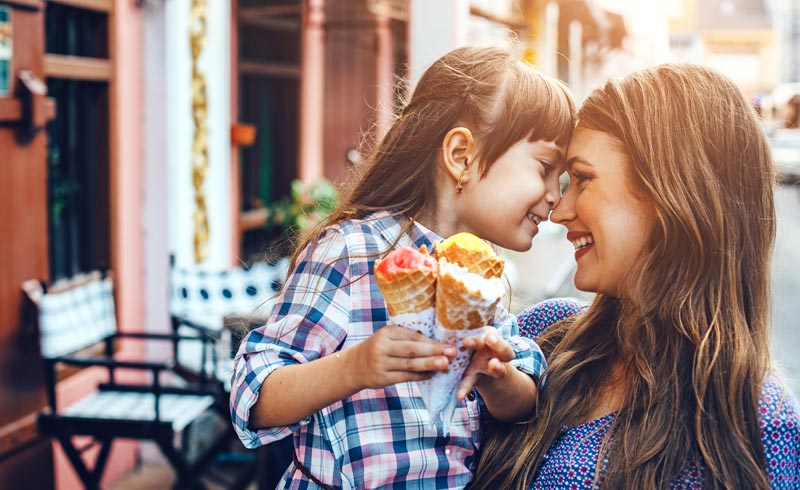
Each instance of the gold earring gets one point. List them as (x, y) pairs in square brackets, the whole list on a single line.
[(460, 186)]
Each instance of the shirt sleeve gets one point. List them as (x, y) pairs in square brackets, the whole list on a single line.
[(528, 356), (309, 321), (533, 321), (780, 426)]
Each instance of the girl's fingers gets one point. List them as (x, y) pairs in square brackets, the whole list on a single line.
[(417, 364), (497, 368), (467, 383), (500, 347), (411, 348)]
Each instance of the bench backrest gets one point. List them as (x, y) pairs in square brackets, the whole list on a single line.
[(199, 292), (74, 315)]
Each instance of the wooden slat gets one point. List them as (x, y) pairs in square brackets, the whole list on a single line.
[(25, 4), (96, 5), (10, 110), (18, 433), (515, 22), (285, 24), (269, 11), (77, 68), (272, 70), (255, 218)]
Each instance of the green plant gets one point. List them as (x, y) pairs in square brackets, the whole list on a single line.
[(306, 206)]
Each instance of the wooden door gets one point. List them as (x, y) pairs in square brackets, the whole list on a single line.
[(25, 459)]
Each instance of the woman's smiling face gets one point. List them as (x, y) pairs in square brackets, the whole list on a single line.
[(607, 222)]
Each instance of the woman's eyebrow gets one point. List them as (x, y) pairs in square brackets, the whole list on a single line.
[(576, 159)]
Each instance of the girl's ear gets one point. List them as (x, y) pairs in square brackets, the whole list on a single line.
[(457, 147)]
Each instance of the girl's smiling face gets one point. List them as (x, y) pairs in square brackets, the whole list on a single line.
[(607, 222), (519, 190)]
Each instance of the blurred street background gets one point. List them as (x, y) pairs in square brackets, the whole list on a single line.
[(181, 145)]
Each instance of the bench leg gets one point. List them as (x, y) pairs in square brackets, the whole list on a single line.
[(90, 479), (186, 478)]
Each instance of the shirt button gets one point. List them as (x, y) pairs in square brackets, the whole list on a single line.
[(447, 452), (471, 396)]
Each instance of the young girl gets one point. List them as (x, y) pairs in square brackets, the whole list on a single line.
[(478, 148)]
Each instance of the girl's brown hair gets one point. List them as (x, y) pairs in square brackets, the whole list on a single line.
[(491, 91), (694, 335)]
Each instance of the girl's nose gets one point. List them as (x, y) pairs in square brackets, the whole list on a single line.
[(553, 194), (552, 199)]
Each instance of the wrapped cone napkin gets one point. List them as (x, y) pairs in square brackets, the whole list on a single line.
[(468, 290), (446, 298), (407, 280)]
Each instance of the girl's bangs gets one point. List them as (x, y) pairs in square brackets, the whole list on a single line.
[(533, 108)]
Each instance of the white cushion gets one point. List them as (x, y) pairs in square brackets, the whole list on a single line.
[(180, 410), (205, 295), (76, 318)]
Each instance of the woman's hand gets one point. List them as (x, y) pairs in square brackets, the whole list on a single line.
[(394, 355), (489, 362)]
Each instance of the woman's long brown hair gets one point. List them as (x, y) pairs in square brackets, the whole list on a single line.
[(694, 334), (489, 90)]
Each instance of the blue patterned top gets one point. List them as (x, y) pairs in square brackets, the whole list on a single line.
[(571, 460)]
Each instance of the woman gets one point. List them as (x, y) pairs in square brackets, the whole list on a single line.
[(664, 382)]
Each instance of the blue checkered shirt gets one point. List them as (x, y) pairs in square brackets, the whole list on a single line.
[(377, 438)]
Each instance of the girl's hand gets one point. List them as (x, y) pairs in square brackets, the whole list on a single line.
[(394, 355), (489, 362)]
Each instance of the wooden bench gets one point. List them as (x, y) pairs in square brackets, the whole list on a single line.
[(78, 327)]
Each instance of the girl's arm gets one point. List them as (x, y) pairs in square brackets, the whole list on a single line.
[(391, 355)]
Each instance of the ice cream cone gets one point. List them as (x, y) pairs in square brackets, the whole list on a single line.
[(460, 307), (465, 303), (407, 280), (471, 252)]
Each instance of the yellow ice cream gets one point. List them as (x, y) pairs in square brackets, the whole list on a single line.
[(472, 253)]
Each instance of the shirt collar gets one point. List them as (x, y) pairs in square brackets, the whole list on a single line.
[(391, 224)]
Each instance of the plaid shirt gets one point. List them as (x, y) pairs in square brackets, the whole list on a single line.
[(375, 438)]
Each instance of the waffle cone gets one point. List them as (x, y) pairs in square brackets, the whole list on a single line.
[(458, 308), (475, 261), (409, 291)]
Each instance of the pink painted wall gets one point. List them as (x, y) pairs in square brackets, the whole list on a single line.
[(126, 225)]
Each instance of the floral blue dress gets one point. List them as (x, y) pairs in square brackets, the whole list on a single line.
[(572, 458)]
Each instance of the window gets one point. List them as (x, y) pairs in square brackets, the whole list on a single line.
[(78, 71), (6, 49)]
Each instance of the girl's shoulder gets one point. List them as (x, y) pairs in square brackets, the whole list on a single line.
[(533, 321)]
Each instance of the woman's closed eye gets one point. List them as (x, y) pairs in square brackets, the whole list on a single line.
[(579, 178)]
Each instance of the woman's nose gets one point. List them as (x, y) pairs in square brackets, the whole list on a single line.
[(565, 209)]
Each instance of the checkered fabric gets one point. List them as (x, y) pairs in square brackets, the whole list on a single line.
[(180, 410), (375, 438), (76, 318)]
